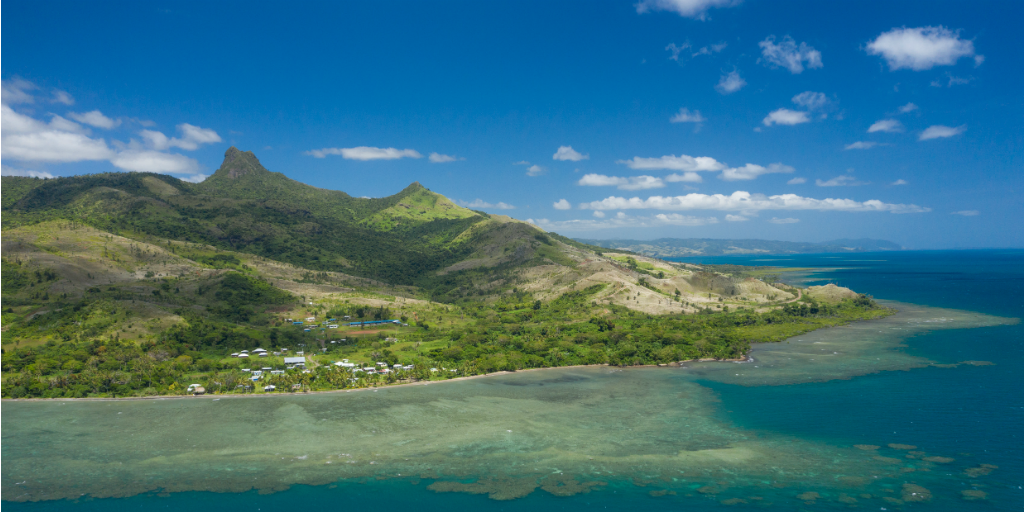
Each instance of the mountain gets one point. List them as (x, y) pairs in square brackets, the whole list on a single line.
[(681, 247), (415, 237)]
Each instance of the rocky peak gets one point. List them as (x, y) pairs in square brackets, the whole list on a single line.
[(239, 163)]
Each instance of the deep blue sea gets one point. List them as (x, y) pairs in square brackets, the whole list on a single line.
[(970, 412)]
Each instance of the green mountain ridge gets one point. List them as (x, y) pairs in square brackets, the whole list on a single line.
[(414, 237)]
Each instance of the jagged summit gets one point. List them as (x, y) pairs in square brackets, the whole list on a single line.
[(238, 163)]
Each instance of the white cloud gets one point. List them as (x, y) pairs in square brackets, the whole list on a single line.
[(899, 182), (978, 60), (623, 221), (438, 158), (909, 107), (674, 163), (66, 125), (685, 116), (886, 125), (567, 153), (27, 139), (630, 183), (790, 55), (676, 50), (708, 50), (735, 218), (155, 161), (562, 204), (686, 177), (16, 90), (787, 220), (745, 201), (860, 144), (967, 213), (920, 48), (840, 181), (797, 181), (535, 170), (62, 97), (521, 162), (365, 153), (194, 178), (785, 116), (480, 203), (599, 214), (730, 83), (95, 118), (25, 173), (192, 137), (697, 9), (752, 171), (940, 132), (811, 100)]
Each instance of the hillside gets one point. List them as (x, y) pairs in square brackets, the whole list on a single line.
[(682, 247), (133, 283)]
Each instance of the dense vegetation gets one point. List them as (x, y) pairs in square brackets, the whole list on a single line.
[(514, 333)]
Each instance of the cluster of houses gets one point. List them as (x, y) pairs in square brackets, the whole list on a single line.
[(259, 352), (381, 368)]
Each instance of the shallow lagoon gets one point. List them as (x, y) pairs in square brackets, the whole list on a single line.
[(779, 432)]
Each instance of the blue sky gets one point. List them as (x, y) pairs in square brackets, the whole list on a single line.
[(803, 121)]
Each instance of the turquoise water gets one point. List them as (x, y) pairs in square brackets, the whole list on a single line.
[(706, 437)]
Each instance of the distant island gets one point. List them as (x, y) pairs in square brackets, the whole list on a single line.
[(682, 247)]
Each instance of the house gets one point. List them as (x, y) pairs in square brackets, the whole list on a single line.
[(270, 387), (277, 372), (246, 370), (257, 374), (258, 350), (295, 361), (296, 323), (306, 330), (243, 355), (332, 326), (344, 364), (382, 364), (196, 389), (311, 319), (234, 354)]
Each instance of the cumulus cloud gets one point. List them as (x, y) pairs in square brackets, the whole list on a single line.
[(623, 221), (789, 55), (16, 90), (676, 50), (685, 116), (438, 158), (480, 203), (730, 83), (840, 181), (95, 118), (797, 181), (535, 170), (940, 132), (745, 201), (735, 218), (967, 213), (154, 161), (787, 117), (562, 204), (708, 50), (752, 171), (191, 138), (365, 153), (886, 125), (630, 183), (599, 214), (27, 139), (674, 163), (567, 153), (697, 9), (811, 100), (25, 173), (62, 97), (909, 107), (787, 220), (921, 48), (194, 178), (899, 182), (686, 177), (521, 162), (860, 144)]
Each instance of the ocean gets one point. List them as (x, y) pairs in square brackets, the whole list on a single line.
[(918, 411)]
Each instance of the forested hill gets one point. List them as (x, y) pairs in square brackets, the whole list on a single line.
[(681, 247), (405, 238)]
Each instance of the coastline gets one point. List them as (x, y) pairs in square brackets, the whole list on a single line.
[(677, 364)]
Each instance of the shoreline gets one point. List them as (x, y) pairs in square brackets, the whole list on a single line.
[(676, 364)]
